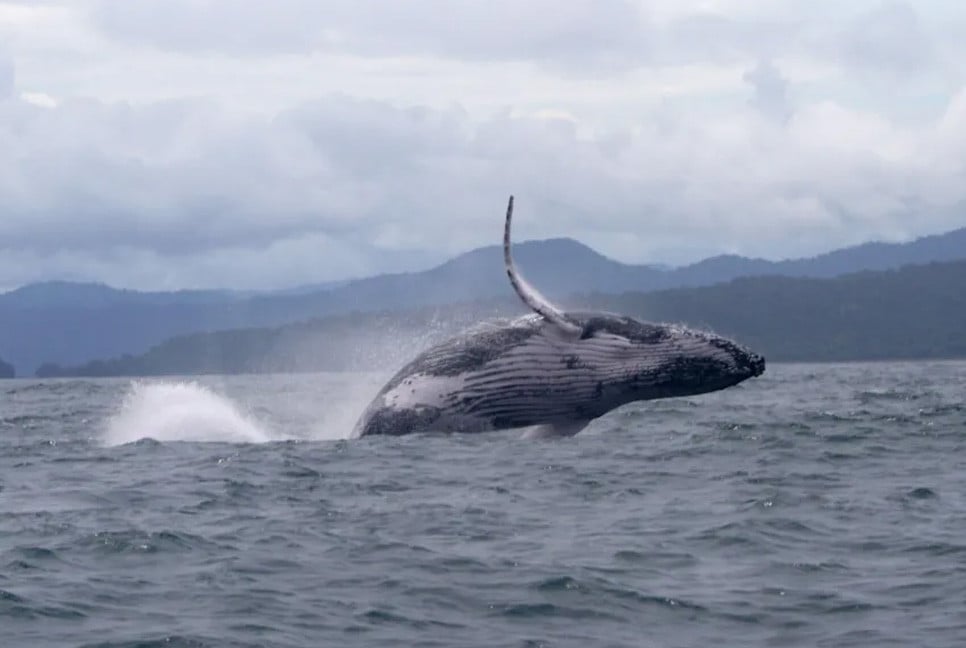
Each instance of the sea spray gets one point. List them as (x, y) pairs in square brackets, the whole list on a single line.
[(181, 411), (330, 412)]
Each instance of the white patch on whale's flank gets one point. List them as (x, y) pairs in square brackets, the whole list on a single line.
[(423, 389), (530, 295), (426, 391)]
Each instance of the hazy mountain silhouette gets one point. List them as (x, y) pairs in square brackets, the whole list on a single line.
[(69, 323), (914, 312), (950, 246), (60, 294), (7, 370)]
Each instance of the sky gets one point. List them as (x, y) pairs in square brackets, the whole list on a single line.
[(168, 144)]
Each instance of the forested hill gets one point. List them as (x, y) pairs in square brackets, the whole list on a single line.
[(72, 323), (6, 370), (914, 312)]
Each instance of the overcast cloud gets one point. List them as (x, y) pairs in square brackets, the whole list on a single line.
[(212, 143)]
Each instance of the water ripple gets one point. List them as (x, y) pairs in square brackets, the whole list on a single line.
[(816, 506)]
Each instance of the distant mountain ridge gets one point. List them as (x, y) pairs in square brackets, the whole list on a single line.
[(57, 294), (69, 324), (950, 246), (912, 313)]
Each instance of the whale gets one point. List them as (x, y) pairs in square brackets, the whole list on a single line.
[(550, 371)]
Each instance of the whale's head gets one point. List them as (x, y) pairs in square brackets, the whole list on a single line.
[(643, 360)]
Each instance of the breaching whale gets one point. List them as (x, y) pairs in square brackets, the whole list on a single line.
[(553, 369)]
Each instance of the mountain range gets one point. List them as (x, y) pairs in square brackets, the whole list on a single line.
[(915, 312), (69, 323)]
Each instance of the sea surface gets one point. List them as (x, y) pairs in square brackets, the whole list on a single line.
[(819, 505)]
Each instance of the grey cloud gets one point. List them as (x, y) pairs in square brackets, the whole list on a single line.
[(253, 202), (184, 193), (702, 37), (498, 29), (591, 30), (7, 77), (219, 26), (888, 38), (575, 34), (184, 176), (582, 38), (771, 90), (577, 38), (188, 193)]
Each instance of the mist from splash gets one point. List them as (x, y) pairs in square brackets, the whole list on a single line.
[(301, 409), (334, 414), (181, 411), (312, 406)]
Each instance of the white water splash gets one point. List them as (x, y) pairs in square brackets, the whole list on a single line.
[(181, 411)]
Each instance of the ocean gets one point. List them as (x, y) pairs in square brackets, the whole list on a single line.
[(818, 505)]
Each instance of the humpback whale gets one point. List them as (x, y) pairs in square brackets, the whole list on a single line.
[(551, 371)]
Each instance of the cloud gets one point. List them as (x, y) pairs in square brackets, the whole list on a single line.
[(577, 31), (770, 91), (6, 77), (176, 143), (186, 193), (703, 36), (888, 38), (215, 26), (575, 37)]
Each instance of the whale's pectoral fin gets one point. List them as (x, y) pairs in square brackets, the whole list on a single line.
[(555, 430), (530, 295)]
